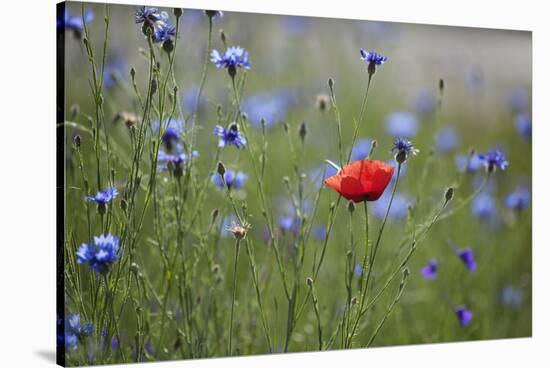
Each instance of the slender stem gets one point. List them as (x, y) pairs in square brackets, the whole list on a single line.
[(229, 347)]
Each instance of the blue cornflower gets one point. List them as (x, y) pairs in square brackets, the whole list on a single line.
[(361, 149), (272, 106), (175, 162), (150, 15), (100, 255), (214, 13), (493, 159), (114, 71), (74, 331), (358, 270), (399, 208), (466, 255), (172, 134), (75, 23), (403, 148), (289, 224), (233, 58), (511, 296), (319, 175), (518, 99), (163, 33), (232, 135), (372, 57), (320, 232), (468, 163), (401, 124), (518, 200), (446, 139), (429, 272), (464, 315), (424, 102), (524, 126), (233, 180), (484, 206), (103, 197)]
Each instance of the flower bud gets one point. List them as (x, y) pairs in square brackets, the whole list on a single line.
[(309, 281), (178, 12), (168, 45), (322, 102), (351, 207), (221, 169), (214, 214), (77, 141), (302, 131), (401, 157), (330, 83), (449, 194)]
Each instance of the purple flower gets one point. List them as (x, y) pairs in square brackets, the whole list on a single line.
[(358, 270), (466, 255), (524, 126), (511, 296), (233, 180), (320, 232), (483, 206), (101, 254), (464, 315), (468, 163), (75, 23), (233, 58), (446, 139), (429, 272), (401, 124), (403, 148), (424, 102), (104, 196), (494, 159), (175, 161), (229, 136), (271, 106), (289, 224), (372, 57), (518, 99), (74, 331), (361, 149), (399, 208), (163, 33), (518, 200)]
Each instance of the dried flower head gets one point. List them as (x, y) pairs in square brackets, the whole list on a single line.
[(239, 230)]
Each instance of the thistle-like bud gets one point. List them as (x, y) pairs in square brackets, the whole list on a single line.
[(178, 12), (214, 214), (302, 131), (133, 73), (154, 85), (168, 45), (441, 85), (123, 205), (221, 169), (134, 268), (222, 36), (77, 141), (401, 157), (351, 207), (75, 110), (285, 127), (354, 300), (331, 83), (239, 231), (449, 193), (309, 281), (322, 102), (373, 146)]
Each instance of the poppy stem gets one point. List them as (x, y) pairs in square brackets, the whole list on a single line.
[(372, 257)]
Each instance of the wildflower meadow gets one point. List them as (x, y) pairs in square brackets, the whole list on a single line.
[(239, 184)]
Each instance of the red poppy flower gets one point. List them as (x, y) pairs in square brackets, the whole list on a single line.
[(363, 180)]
